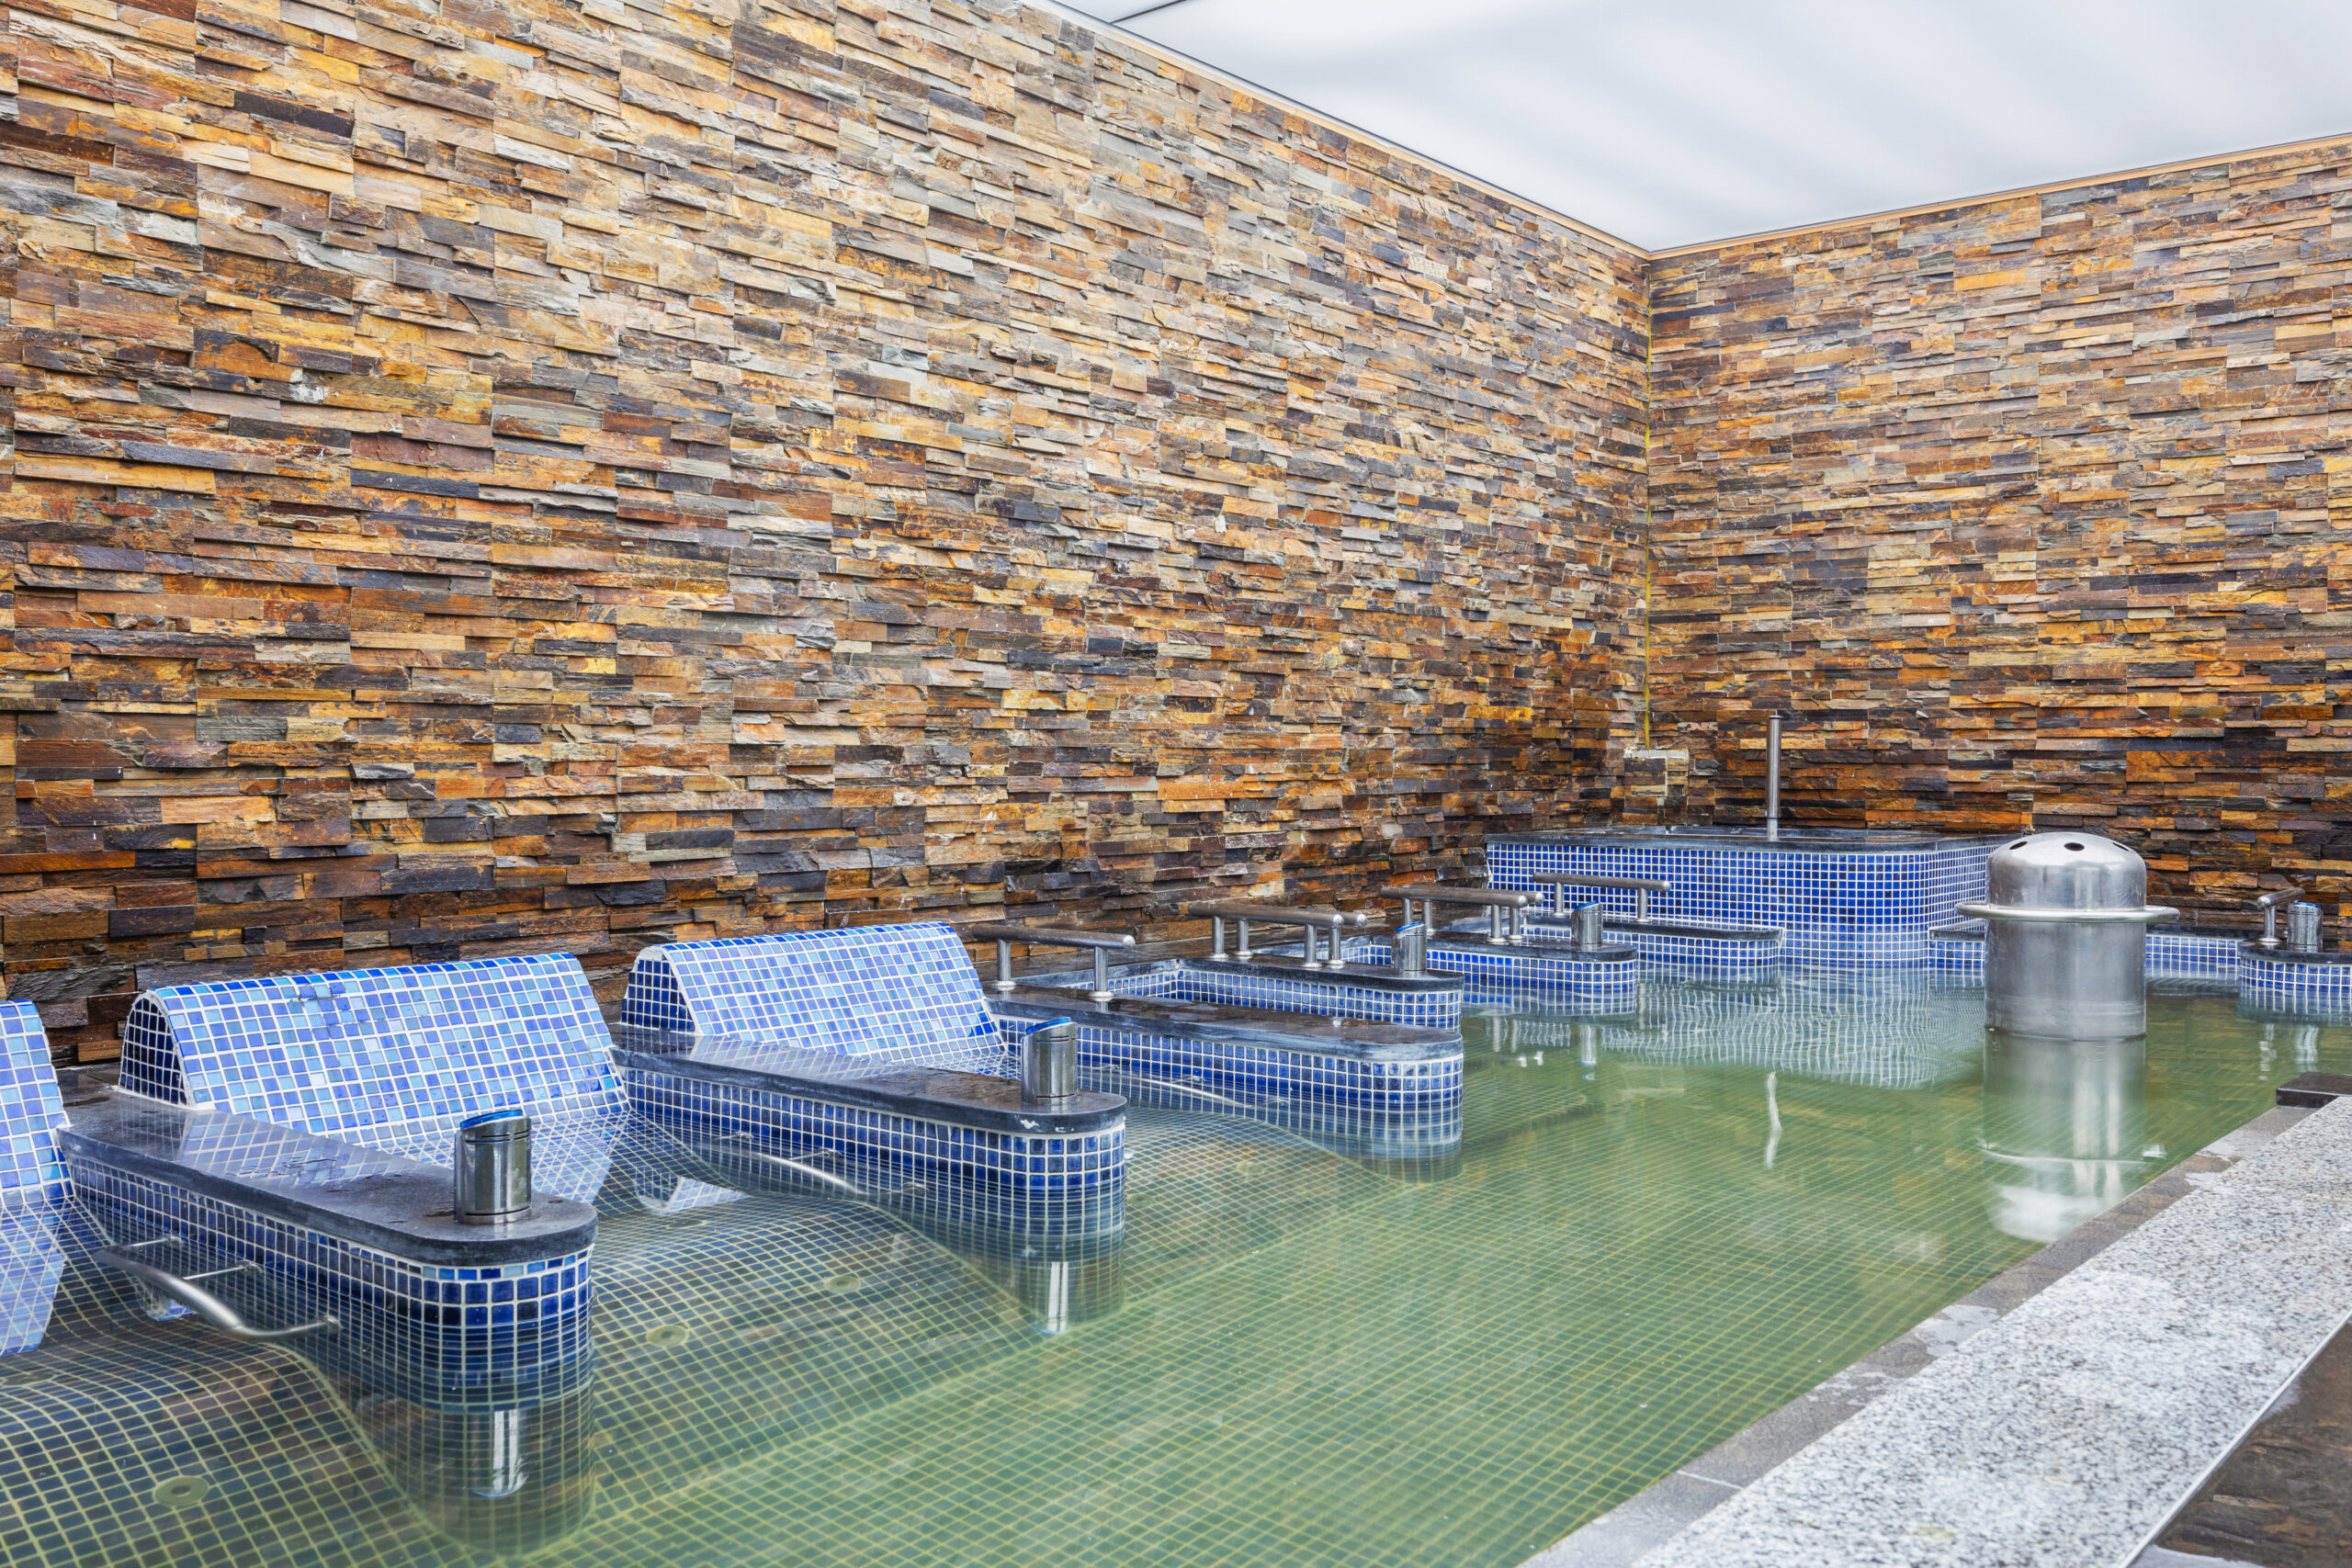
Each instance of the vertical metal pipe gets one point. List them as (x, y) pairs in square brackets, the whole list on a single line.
[(1216, 950), (1642, 905), (1495, 926), (1004, 980), (1102, 992), (1772, 777), (1244, 954)]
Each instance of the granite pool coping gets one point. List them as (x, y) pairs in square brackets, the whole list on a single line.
[(2027, 1450)]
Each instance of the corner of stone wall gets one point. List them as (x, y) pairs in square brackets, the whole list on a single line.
[(1653, 785)]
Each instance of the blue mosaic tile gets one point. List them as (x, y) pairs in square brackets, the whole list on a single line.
[(465, 1329), (32, 1264), (1285, 990), (1581, 985), (1862, 909), (1034, 1184), (2192, 953), (1888, 1031), (375, 1048), (30, 1110), (902, 992), (2272, 985), (1426, 1084)]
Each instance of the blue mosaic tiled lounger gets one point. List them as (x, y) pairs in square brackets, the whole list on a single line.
[(865, 1057), (329, 1106), (1362, 987)]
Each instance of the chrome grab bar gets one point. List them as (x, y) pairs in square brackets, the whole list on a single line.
[(1004, 935), (2269, 904), (1309, 919), (1644, 887), (1429, 895), (209, 1308)]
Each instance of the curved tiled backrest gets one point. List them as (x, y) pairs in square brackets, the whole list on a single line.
[(375, 1047), (857, 992), (30, 1111)]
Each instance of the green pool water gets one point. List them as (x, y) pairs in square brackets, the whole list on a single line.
[(1657, 1229)]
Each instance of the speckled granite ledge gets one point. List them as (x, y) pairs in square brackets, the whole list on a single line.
[(1653, 1516)]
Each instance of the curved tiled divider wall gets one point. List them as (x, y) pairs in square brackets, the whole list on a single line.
[(741, 1036), (376, 1054), (33, 1182), (30, 1111), (866, 991)]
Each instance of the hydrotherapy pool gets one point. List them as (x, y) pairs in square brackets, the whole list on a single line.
[(1656, 1228)]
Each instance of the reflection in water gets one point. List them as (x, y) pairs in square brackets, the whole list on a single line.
[(1063, 1275), (2065, 1129), (503, 1476)]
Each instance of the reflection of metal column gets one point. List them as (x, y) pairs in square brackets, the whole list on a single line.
[(495, 1442), (2065, 1124)]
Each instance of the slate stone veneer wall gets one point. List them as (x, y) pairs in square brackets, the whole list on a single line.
[(568, 475), (2040, 505)]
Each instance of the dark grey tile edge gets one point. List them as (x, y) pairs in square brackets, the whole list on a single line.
[(1666, 1507)]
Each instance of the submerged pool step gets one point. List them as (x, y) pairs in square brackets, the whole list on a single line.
[(1554, 973), (1380, 1066), (1280, 982)]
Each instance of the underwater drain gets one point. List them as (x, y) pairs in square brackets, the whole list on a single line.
[(668, 1334), (180, 1490)]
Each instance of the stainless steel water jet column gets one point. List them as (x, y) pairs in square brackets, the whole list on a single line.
[(1772, 777), (494, 1167), (2066, 938), (1049, 1063)]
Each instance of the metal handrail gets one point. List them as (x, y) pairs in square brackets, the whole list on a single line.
[(1004, 935), (1496, 899), (2269, 904), (1643, 885), (207, 1307), (1308, 920)]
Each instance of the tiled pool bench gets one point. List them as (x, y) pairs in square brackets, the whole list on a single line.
[(866, 1058), (307, 1124)]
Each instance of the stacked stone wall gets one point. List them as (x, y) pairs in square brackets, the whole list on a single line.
[(2034, 509), (563, 476)]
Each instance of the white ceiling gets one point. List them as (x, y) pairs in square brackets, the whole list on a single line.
[(1669, 124)]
